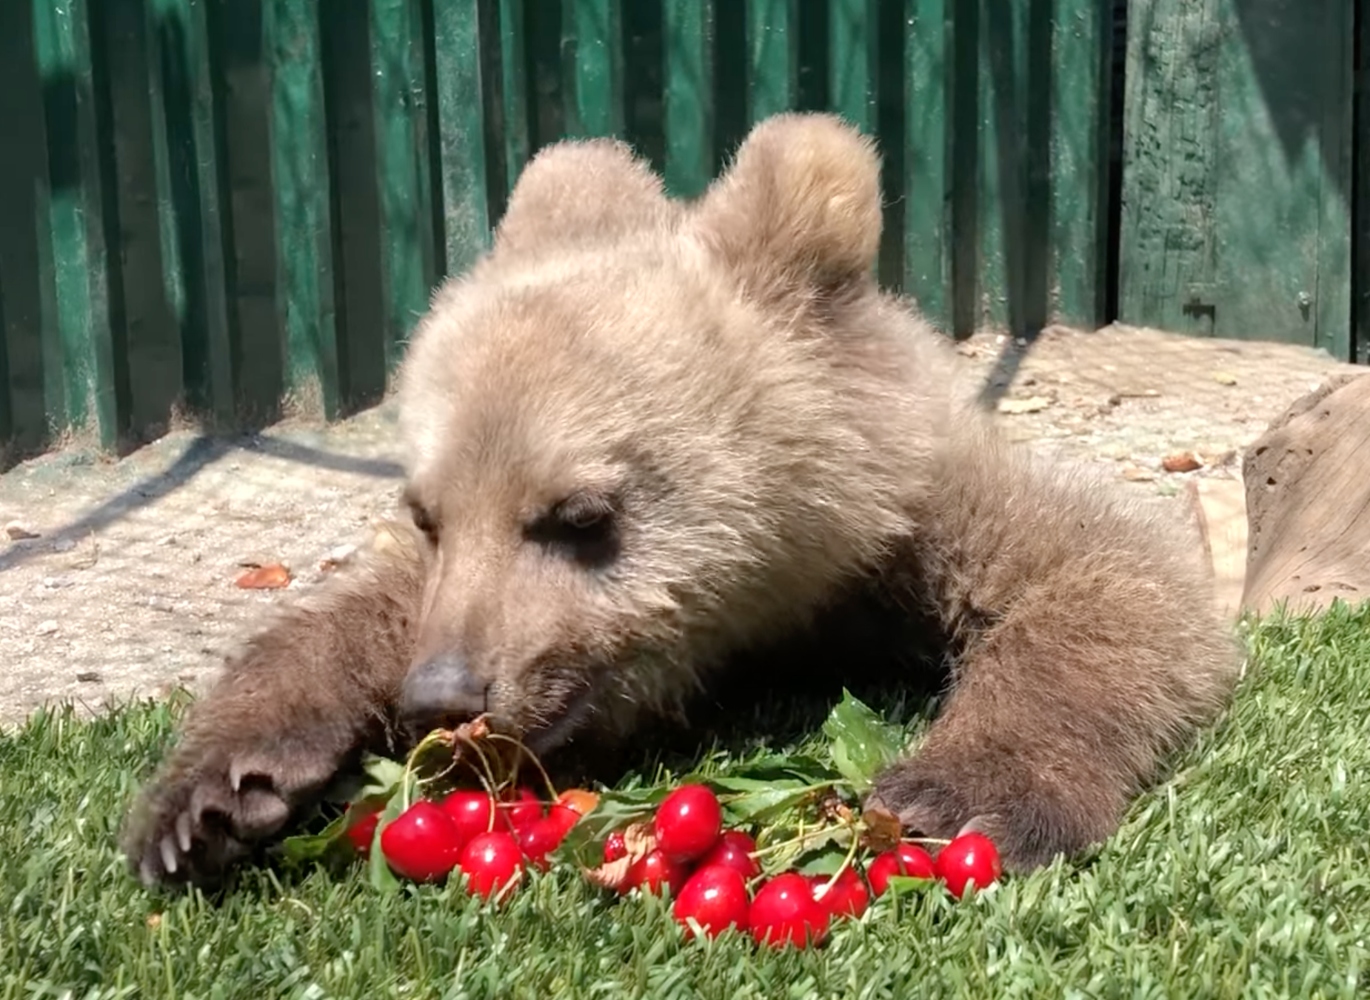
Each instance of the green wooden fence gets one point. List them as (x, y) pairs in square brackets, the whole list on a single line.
[(234, 207)]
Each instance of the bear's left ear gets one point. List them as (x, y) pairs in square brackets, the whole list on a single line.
[(579, 193), (800, 206)]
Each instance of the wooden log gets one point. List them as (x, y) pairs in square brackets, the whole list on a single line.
[(1308, 502)]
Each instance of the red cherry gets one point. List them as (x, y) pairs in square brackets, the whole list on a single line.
[(734, 850), (422, 843), (615, 847), (523, 809), (784, 911), (846, 897), (470, 811), (540, 837), (688, 822), (491, 861), (906, 859), (363, 831), (715, 896), (654, 870), (970, 857)]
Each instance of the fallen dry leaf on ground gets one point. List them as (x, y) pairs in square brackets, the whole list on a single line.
[(1181, 461), (273, 576)]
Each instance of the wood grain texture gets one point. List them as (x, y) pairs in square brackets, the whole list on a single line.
[(1308, 501)]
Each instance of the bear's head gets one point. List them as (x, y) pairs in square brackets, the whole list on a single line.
[(643, 433)]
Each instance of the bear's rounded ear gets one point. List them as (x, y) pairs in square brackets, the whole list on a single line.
[(579, 193), (799, 205)]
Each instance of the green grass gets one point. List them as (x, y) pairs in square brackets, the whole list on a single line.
[(1246, 874)]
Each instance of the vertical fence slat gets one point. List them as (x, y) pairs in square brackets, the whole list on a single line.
[(514, 84), (853, 61), (23, 172), (459, 55), (152, 361), (302, 195), (78, 219), (689, 96), (927, 210), (596, 29), (772, 57), (406, 191), (1079, 168), (192, 205)]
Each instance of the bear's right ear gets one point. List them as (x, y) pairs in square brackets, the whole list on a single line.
[(579, 193), (800, 206)]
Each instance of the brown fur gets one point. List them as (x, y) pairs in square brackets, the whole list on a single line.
[(746, 430)]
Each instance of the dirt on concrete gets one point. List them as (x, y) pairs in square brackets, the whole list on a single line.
[(117, 578)]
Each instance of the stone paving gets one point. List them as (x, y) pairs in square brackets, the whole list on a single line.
[(128, 587)]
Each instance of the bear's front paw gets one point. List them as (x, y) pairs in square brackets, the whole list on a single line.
[(1028, 824), (206, 810)]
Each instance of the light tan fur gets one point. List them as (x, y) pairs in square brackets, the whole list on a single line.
[(752, 432)]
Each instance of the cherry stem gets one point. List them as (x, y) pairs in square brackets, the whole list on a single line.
[(846, 863), (551, 788)]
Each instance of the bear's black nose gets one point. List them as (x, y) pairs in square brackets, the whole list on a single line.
[(441, 689)]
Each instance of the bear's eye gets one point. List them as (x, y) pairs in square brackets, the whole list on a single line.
[(424, 521), (582, 527)]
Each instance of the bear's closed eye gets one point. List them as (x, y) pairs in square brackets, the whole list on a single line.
[(583, 527)]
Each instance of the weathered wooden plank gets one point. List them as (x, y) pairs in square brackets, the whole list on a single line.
[(772, 57), (399, 76), (303, 189), (514, 88), (252, 269), (596, 33), (854, 61), (152, 359), (191, 206), (24, 266), (927, 107), (1230, 106), (354, 140), (459, 55), (689, 95), (77, 218), (1360, 346), (1079, 173)]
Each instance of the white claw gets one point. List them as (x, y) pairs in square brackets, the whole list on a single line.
[(235, 775), (145, 872), (169, 856), (183, 832)]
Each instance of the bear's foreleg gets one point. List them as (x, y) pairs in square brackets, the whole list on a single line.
[(287, 712), (1088, 647)]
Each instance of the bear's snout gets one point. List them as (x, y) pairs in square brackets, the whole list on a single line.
[(441, 688)]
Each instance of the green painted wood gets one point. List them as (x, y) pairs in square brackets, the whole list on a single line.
[(243, 74), (24, 266), (148, 367), (408, 238), (1360, 313), (1078, 169), (77, 217), (303, 190), (854, 61), (927, 152), (772, 57), (595, 33), (514, 88), (354, 137), (1234, 107), (688, 40), (459, 58), (193, 223)]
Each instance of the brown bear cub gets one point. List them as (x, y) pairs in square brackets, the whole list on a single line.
[(644, 437)]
